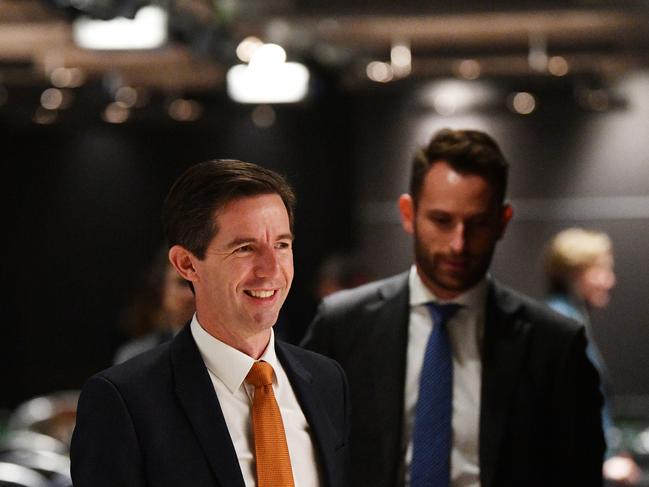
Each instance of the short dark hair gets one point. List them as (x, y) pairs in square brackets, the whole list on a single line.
[(466, 151), (203, 189)]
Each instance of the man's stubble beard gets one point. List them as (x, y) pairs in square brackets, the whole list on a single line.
[(428, 265)]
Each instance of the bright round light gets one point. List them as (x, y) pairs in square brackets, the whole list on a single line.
[(523, 103), (558, 66), (247, 48), (126, 96), (445, 104), (400, 55), (469, 69), (61, 77), (52, 99), (267, 56), (115, 113), (379, 72)]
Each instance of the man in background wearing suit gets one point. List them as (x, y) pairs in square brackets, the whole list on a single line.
[(224, 403), (456, 379)]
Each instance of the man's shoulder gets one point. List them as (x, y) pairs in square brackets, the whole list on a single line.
[(345, 318), (533, 311), (142, 371), (383, 289)]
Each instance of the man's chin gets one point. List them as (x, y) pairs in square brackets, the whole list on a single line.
[(454, 284)]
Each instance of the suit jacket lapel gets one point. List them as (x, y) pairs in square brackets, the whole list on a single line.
[(321, 427), (196, 394), (387, 362), (505, 336)]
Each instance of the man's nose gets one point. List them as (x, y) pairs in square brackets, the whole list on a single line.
[(458, 238), (266, 263)]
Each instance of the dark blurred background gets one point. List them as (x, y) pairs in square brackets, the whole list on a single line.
[(92, 140)]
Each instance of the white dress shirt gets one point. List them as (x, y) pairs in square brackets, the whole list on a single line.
[(228, 367), (465, 333)]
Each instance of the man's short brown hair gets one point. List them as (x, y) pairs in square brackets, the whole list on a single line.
[(466, 151), (203, 189)]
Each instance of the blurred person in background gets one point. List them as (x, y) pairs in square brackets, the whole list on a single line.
[(338, 272), (579, 270), (159, 309)]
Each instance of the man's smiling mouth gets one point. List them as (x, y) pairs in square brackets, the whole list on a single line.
[(260, 294)]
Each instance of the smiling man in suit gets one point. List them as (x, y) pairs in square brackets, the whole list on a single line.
[(455, 379), (224, 403)]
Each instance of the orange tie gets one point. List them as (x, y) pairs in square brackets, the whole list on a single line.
[(271, 450)]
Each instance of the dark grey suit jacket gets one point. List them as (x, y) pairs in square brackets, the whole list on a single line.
[(156, 421), (540, 403)]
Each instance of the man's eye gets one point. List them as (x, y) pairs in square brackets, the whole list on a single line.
[(441, 220), (283, 245), (243, 249)]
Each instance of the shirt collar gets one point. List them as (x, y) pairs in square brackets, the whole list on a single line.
[(420, 294), (230, 365)]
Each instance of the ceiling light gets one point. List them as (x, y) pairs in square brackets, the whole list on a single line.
[(247, 47), (52, 98), (63, 77), (451, 97), (126, 96), (401, 60), (380, 72), (522, 103), (538, 52), (115, 113), (558, 66), (268, 78), (468, 69), (268, 56), (147, 30)]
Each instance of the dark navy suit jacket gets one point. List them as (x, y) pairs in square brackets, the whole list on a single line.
[(540, 403), (156, 421)]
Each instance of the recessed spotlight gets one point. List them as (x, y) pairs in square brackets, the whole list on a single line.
[(522, 103), (380, 72)]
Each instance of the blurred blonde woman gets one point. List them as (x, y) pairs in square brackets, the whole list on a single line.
[(579, 269)]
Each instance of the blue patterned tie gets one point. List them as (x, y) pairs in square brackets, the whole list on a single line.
[(432, 435)]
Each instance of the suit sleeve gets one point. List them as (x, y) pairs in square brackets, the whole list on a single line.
[(578, 412), (104, 449)]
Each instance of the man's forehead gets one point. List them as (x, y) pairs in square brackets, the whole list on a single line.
[(244, 216)]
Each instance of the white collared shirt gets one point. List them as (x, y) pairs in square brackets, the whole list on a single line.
[(465, 332), (228, 367)]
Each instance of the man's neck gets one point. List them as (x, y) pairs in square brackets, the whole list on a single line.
[(252, 345)]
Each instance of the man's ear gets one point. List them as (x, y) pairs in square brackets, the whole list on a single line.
[(407, 212), (506, 215), (183, 261)]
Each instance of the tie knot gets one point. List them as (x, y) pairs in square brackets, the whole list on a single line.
[(261, 374), (441, 313)]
